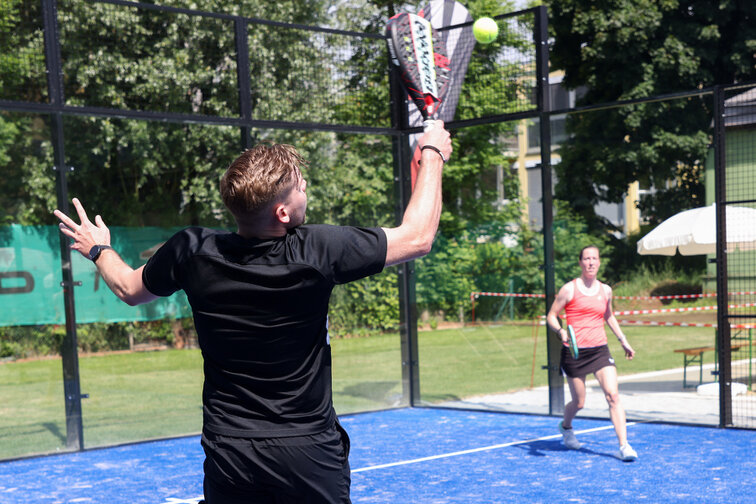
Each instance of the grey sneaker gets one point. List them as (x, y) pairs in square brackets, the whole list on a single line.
[(568, 438), (627, 453)]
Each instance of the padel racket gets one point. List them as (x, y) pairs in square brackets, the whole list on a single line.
[(420, 54), (573, 342)]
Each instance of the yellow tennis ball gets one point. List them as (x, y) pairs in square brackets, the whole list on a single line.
[(485, 30)]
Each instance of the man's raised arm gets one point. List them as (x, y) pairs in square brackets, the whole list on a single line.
[(92, 240), (413, 238)]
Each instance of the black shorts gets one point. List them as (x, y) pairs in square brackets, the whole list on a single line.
[(589, 361), (286, 470)]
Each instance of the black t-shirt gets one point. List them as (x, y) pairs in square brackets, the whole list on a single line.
[(261, 313)]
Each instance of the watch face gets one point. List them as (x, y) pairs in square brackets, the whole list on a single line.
[(94, 252)]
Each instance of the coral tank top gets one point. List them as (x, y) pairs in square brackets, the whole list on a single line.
[(586, 316)]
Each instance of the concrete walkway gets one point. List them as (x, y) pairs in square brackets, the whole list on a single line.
[(656, 395)]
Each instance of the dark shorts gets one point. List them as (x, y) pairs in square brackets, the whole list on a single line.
[(588, 362), (287, 470)]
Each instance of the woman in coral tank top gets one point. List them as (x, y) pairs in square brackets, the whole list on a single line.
[(588, 305)]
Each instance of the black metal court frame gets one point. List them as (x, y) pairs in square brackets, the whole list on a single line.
[(399, 131)]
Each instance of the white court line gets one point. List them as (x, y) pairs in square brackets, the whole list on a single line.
[(484, 448)]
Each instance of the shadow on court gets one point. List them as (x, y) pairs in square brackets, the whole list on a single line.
[(542, 449)]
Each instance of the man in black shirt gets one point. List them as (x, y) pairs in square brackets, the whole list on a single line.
[(260, 303)]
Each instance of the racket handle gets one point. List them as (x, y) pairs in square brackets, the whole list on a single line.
[(428, 124)]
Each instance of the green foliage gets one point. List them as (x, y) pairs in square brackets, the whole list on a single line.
[(365, 306), (659, 279), (481, 262), (142, 172), (571, 234), (22, 60), (495, 84), (445, 276), (350, 181), (470, 193), (287, 11), (620, 50), (35, 341), (138, 173), (30, 341), (100, 337), (471, 197), (151, 178)]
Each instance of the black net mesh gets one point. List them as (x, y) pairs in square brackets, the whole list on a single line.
[(740, 199), (22, 52), (158, 101)]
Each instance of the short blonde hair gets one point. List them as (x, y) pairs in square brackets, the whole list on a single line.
[(259, 177)]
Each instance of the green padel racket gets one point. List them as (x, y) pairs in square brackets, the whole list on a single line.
[(573, 342)]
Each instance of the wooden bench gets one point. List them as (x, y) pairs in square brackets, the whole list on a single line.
[(695, 356)]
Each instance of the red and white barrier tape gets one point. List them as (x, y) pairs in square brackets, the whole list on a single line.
[(671, 324), (474, 295), (675, 296), (685, 296), (678, 310), (674, 324), (682, 324)]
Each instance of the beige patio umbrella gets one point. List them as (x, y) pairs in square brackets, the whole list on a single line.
[(694, 232)]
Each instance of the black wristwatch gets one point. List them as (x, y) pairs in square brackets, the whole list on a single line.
[(95, 251)]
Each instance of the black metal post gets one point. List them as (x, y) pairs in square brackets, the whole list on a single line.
[(723, 321), (243, 79), (69, 348), (556, 381), (406, 271)]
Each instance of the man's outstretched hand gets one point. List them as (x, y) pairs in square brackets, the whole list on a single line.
[(85, 235)]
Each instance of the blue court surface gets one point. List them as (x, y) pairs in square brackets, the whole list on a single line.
[(434, 456)]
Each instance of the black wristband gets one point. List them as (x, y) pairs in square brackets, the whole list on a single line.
[(432, 147)]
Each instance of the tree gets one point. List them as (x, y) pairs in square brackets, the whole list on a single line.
[(624, 50), (473, 211), (116, 56), (22, 77), (153, 173)]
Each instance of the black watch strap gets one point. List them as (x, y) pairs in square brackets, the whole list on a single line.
[(95, 251)]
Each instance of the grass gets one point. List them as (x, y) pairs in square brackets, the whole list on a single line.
[(136, 396), (154, 394), (131, 397), (465, 362)]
